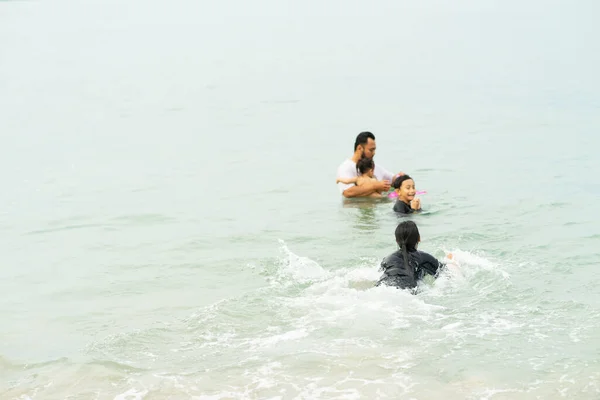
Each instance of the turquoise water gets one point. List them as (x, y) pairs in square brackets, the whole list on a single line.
[(171, 227)]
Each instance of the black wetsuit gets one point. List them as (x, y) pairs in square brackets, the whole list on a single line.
[(403, 208), (395, 273)]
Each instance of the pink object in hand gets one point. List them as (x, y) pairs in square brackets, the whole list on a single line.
[(393, 194)]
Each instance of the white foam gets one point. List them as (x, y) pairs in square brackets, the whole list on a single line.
[(211, 339), (132, 394), (222, 395), (488, 394), (452, 326), (334, 297), (339, 315), (275, 339), (574, 335), (300, 269), (467, 262)]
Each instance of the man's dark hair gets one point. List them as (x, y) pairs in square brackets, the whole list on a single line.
[(363, 138)]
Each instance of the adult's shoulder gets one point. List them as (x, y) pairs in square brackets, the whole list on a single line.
[(347, 163), (347, 169), (382, 173)]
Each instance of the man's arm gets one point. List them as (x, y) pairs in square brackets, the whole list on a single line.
[(388, 175), (366, 189)]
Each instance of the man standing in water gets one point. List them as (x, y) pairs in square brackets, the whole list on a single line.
[(364, 146)]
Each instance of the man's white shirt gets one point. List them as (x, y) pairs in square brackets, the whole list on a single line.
[(347, 169)]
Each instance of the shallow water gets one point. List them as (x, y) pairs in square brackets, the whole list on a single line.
[(172, 229)]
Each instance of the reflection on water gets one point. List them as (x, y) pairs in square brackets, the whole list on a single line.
[(364, 202), (366, 215), (366, 219)]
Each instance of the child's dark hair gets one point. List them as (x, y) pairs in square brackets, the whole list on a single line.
[(407, 237), (398, 181), (365, 164)]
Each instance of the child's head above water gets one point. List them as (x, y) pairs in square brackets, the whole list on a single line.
[(365, 166), (407, 235), (405, 187)]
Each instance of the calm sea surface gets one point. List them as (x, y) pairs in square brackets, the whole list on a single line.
[(171, 227)]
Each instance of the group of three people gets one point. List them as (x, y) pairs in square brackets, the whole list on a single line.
[(359, 176)]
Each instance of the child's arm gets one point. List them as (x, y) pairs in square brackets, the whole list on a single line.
[(347, 181)]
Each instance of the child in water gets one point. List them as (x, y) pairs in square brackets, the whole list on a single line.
[(366, 167), (406, 266), (405, 189)]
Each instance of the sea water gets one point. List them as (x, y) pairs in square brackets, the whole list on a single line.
[(171, 226)]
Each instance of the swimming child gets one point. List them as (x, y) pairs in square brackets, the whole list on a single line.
[(405, 189), (405, 267), (366, 167)]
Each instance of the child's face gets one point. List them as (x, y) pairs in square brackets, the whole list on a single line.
[(369, 173), (407, 191)]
